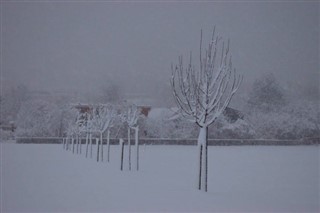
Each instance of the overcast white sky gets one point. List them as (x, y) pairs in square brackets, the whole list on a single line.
[(83, 45)]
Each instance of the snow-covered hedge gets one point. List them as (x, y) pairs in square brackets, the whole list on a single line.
[(6, 135), (239, 129), (161, 126), (294, 121), (38, 118)]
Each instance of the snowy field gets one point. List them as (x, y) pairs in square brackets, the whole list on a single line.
[(46, 178)]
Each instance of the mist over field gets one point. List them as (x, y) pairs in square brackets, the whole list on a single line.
[(83, 46)]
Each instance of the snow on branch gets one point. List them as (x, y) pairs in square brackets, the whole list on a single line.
[(76, 123), (130, 115), (102, 118), (203, 94)]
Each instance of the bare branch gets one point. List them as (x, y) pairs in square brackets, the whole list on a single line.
[(202, 95)]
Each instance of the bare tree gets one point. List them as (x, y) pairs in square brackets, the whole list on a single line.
[(74, 127), (203, 94), (103, 117), (132, 121), (89, 130), (130, 116)]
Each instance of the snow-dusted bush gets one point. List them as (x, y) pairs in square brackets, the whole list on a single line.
[(295, 121), (240, 129), (273, 115), (156, 129), (39, 118), (266, 94), (35, 119), (10, 103), (160, 125), (6, 135)]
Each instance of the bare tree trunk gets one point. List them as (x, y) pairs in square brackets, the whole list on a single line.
[(77, 142), (202, 140), (121, 153), (97, 144), (108, 144), (200, 157), (206, 161), (80, 141), (101, 148), (90, 138), (72, 144), (68, 143), (87, 144), (129, 146), (137, 146), (61, 125), (63, 144)]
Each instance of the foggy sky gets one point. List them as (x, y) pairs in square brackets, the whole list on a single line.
[(82, 45)]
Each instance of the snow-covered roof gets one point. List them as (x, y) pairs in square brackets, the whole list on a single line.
[(163, 113), (141, 101)]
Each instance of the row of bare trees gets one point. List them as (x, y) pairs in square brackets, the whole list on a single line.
[(96, 121)]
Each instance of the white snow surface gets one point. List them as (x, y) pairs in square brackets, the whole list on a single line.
[(46, 178)]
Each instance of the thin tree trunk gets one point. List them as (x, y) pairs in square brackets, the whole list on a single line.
[(137, 147), (77, 142), (121, 153), (108, 144), (200, 168), (72, 144), (97, 144), (129, 146), (80, 141), (68, 143), (87, 144), (90, 137), (63, 144), (206, 161), (101, 148), (202, 140)]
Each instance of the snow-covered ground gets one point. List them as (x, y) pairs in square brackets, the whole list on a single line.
[(43, 178)]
